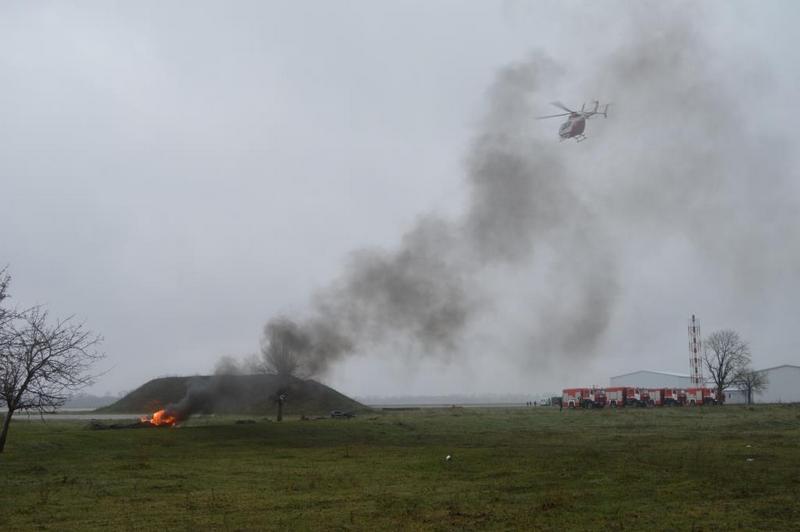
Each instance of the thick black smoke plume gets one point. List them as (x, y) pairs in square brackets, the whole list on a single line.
[(206, 395), (429, 288)]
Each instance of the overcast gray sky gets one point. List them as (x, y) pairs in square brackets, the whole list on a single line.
[(178, 173)]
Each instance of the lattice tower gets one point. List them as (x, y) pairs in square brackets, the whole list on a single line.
[(695, 363)]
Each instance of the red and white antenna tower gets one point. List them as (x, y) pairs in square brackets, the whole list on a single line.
[(695, 364)]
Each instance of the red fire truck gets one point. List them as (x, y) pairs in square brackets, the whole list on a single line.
[(615, 396), (700, 396), (633, 396), (573, 397), (628, 396), (584, 397), (596, 399), (652, 397), (674, 397)]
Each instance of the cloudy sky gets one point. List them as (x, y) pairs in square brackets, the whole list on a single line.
[(177, 174)]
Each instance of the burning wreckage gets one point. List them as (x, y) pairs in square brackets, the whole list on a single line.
[(162, 418)]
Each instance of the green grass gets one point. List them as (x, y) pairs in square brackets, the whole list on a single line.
[(512, 469)]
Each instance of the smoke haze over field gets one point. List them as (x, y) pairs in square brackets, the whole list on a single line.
[(385, 186)]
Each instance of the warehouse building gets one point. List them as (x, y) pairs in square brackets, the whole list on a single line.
[(783, 385)]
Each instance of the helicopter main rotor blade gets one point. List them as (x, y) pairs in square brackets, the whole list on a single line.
[(552, 116), (562, 106)]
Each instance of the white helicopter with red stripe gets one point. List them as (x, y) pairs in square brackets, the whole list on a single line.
[(576, 123)]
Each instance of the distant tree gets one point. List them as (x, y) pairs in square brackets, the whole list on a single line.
[(5, 280), (41, 362), (282, 347), (725, 355), (251, 364), (5, 314), (280, 359), (751, 382), (227, 365)]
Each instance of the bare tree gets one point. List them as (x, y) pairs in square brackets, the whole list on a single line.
[(5, 314), (725, 355), (751, 382), (5, 280), (41, 362), (251, 364), (283, 346), (227, 365), (280, 359)]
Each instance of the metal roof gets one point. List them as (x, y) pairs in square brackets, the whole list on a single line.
[(781, 366), (670, 373)]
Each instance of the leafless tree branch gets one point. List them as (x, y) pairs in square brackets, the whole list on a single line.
[(725, 355), (751, 382), (42, 361), (282, 347)]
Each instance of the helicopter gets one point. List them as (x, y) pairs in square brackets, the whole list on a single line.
[(576, 123)]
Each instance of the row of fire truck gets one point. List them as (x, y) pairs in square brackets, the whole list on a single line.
[(630, 396)]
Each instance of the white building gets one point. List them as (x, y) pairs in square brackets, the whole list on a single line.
[(783, 385), (651, 379), (735, 396)]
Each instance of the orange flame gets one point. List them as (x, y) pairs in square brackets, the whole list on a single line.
[(161, 418)]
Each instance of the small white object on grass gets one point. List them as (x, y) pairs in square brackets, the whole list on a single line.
[(749, 459), (448, 458)]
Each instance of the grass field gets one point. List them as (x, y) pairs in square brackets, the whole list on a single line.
[(512, 469)]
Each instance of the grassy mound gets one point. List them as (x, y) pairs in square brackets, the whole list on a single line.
[(235, 394)]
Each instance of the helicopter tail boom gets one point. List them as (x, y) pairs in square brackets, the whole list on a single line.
[(597, 111)]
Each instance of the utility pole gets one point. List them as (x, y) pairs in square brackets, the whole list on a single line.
[(281, 399)]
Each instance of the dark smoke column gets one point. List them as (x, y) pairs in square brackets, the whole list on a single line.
[(429, 290)]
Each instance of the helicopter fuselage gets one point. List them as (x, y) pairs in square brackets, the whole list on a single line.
[(573, 127)]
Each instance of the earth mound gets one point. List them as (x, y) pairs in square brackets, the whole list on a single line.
[(234, 394)]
